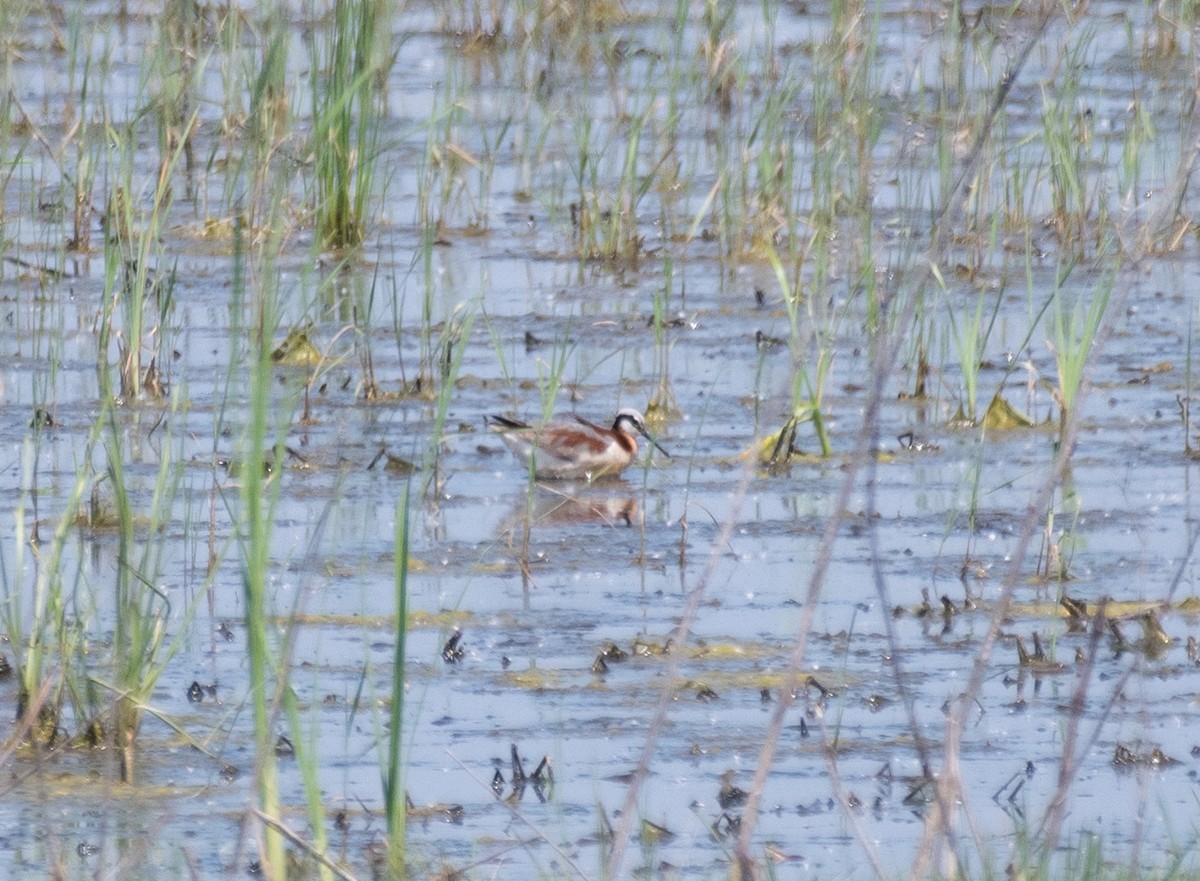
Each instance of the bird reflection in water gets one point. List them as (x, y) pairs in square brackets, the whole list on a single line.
[(556, 509)]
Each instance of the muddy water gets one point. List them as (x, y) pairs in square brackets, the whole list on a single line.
[(541, 579)]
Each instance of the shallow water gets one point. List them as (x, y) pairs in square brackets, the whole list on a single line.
[(616, 562)]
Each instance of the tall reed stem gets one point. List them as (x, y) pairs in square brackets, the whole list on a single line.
[(258, 511), (393, 789)]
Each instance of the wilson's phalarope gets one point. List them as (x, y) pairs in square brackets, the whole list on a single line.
[(576, 450)]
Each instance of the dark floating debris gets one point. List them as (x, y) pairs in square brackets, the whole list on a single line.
[(452, 652), (451, 813), (613, 652), (877, 702), (821, 689), (518, 771), (926, 608), (779, 448), (1128, 757), (1116, 639), (765, 342), (1154, 637), (912, 443), (726, 825), (541, 779), (1077, 614), (816, 807), (730, 796), (1008, 792), (1153, 643), (392, 464), (1036, 662), (543, 773), (920, 792), (196, 692), (644, 648)]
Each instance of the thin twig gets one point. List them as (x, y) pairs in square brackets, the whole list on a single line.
[(297, 839)]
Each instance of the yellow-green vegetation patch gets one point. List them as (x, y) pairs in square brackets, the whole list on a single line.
[(498, 567), (1117, 610), (415, 619), (451, 813), (332, 620), (83, 786), (444, 618), (297, 350), (1002, 416), (417, 565), (1190, 606), (731, 681), (535, 679), (730, 651)]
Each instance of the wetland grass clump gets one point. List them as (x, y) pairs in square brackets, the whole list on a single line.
[(38, 629), (1078, 322), (812, 347), (143, 609), (348, 115), (441, 163), (136, 279), (61, 663), (970, 336), (604, 222), (456, 335), (252, 192), (179, 59)]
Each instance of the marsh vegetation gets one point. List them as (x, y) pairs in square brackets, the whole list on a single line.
[(907, 288)]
